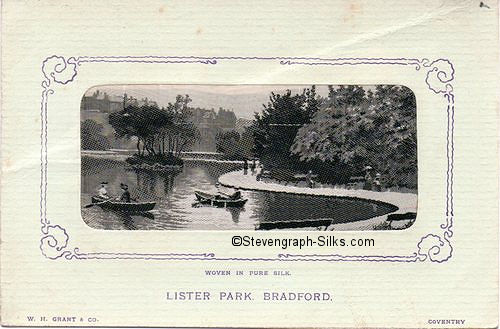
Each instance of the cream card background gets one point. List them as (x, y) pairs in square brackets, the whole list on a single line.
[(132, 291)]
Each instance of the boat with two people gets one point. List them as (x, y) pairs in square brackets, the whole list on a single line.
[(118, 205), (124, 204), (220, 198)]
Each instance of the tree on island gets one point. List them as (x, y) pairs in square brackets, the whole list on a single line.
[(159, 131), (181, 133)]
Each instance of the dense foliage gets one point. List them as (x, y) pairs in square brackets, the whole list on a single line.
[(275, 128), (229, 143), (235, 146), (92, 137), (338, 135)]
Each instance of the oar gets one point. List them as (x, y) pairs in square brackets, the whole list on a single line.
[(95, 204)]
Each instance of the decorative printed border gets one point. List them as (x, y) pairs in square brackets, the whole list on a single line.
[(434, 247)]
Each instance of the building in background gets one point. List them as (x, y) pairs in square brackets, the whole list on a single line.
[(101, 102)]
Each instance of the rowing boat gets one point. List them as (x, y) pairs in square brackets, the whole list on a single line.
[(219, 200), (123, 206)]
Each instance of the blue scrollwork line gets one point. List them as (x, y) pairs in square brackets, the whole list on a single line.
[(439, 75)]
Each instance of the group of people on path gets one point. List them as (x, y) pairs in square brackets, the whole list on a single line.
[(103, 192), (259, 171), (372, 181), (253, 166)]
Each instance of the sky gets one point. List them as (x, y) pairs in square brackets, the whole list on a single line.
[(244, 100)]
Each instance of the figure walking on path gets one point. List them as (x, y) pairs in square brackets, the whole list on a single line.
[(309, 180), (259, 172), (245, 167), (253, 166), (376, 182), (368, 178)]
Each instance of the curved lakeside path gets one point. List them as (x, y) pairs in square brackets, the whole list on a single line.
[(405, 202)]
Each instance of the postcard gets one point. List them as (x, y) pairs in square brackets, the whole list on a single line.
[(236, 164)]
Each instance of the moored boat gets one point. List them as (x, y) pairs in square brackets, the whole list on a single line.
[(123, 206), (219, 200)]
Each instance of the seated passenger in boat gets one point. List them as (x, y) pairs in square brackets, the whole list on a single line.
[(227, 193), (102, 191), (125, 193), (236, 195)]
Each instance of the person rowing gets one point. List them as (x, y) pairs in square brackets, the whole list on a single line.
[(125, 193), (226, 193)]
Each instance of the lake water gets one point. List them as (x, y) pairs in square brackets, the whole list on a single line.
[(177, 209)]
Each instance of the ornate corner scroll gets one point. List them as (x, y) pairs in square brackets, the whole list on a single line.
[(434, 246)]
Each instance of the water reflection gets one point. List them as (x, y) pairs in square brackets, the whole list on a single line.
[(176, 206), (233, 211)]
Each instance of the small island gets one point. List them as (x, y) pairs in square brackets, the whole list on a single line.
[(161, 134)]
